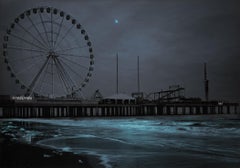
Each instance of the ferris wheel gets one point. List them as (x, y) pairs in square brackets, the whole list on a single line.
[(48, 52)]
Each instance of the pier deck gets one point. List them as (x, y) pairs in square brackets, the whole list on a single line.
[(76, 108)]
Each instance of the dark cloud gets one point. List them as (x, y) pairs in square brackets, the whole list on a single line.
[(173, 39)]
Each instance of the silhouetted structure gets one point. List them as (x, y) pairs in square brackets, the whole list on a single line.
[(97, 95), (206, 82), (117, 105), (138, 75), (117, 73)]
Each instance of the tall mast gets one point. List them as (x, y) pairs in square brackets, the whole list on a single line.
[(138, 79), (206, 82), (117, 74)]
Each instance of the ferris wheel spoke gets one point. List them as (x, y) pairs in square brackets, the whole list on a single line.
[(25, 49), (60, 78), (52, 77), (71, 48), (35, 45), (63, 76), (51, 31), (59, 30), (82, 66), (35, 79), (35, 38), (43, 80), (63, 37), (26, 58), (60, 75), (67, 74), (73, 55), (27, 68), (45, 30), (35, 27), (70, 68)]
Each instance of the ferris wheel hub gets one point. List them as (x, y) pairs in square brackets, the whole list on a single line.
[(52, 54)]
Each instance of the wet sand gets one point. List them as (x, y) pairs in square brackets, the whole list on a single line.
[(19, 155)]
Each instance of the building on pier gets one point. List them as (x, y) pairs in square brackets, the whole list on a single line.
[(119, 98)]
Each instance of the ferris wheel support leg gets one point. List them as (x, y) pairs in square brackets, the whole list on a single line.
[(31, 86)]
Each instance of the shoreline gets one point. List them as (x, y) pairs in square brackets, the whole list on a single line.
[(21, 155)]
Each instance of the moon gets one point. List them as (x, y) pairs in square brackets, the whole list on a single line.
[(116, 21)]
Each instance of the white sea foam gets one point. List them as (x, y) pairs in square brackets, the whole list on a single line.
[(66, 149)]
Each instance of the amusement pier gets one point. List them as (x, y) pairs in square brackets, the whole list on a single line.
[(168, 102), (48, 53)]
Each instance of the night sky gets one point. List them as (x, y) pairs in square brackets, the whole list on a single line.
[(172, 38)]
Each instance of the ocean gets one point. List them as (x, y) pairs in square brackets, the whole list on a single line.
[(138, 142)]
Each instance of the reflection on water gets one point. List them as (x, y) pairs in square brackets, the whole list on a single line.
[(156, 142)]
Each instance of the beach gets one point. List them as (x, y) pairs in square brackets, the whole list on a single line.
[(14, 154)]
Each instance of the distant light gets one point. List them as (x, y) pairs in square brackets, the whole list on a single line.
[(116, 21)]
